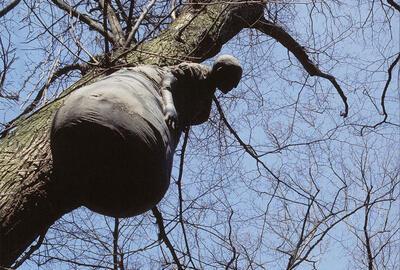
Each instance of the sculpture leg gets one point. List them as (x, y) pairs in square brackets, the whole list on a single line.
[(117, 172)]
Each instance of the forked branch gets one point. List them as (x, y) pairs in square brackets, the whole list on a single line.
[(7, 59), (84, 18), (279, 34), (138, 22), (113, 21)]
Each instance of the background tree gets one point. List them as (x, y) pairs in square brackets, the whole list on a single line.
[(276, 178)]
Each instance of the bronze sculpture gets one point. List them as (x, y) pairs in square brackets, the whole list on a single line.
[(113, 141)]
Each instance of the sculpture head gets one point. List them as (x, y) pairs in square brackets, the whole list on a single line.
[(226, 72)]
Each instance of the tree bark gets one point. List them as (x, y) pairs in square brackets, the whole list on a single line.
[(30, 199)]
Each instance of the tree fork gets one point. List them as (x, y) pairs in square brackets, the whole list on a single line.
[(30, 199)]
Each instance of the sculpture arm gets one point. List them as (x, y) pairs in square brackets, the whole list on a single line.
[(198, 75), (204, 112), (195, 92), (169, 110)]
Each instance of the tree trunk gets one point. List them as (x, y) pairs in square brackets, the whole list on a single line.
[(30, 201)]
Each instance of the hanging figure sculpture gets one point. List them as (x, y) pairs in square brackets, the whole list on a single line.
[(113, 141)]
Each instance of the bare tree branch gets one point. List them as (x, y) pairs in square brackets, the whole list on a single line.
[(84, 18), (58, 73), (7, 56), (179, 183), (295, 253), (105, 28), (138, 22), (173, 8), (160, 222), (121, 9), (129, 20), (394, 4), (251, 151), (383, 96), (52, 34), (367, 243), (282, 36), (234, 251), (81, 46), (113, 21), (9, 7), (31, 250), (115, 243), (390, 70)]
